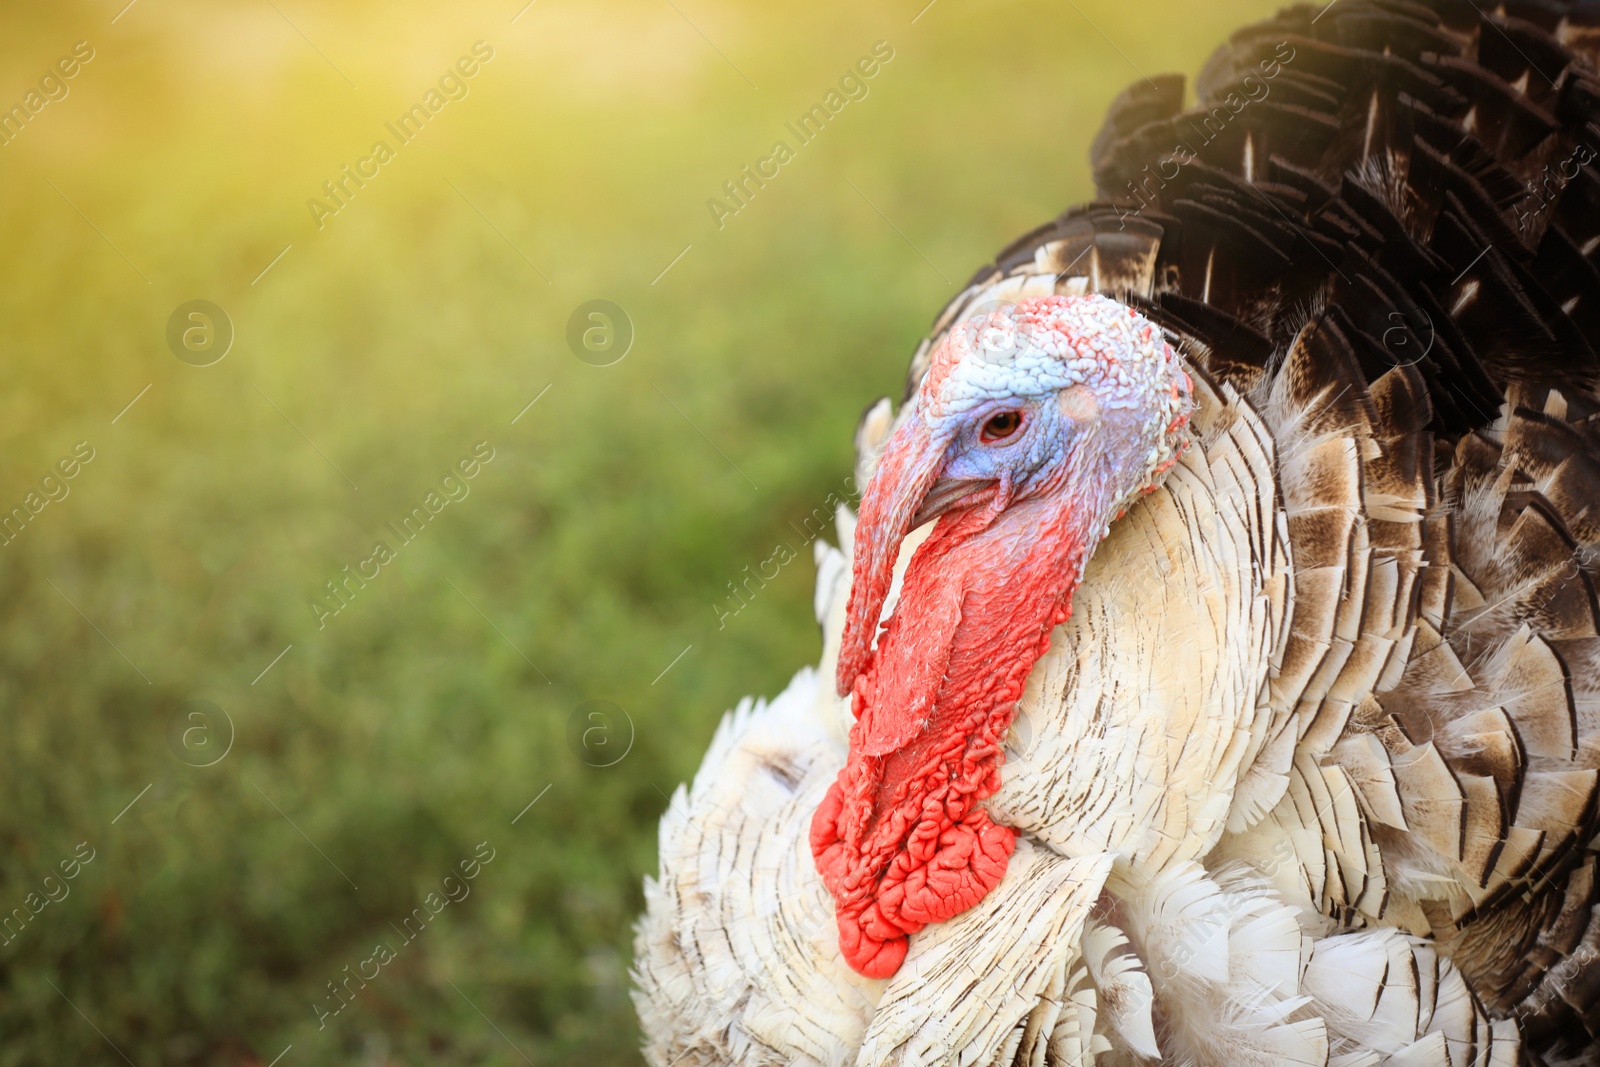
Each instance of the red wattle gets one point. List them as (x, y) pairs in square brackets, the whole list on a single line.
[(900, 839)]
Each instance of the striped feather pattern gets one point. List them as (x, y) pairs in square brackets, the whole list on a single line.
[(1352, 822)]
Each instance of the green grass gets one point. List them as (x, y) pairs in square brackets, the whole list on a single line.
[(381, 749)]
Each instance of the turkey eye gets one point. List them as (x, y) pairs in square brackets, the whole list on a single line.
[(1001, 426)]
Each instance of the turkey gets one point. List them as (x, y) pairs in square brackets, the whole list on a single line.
[(1212, 672)]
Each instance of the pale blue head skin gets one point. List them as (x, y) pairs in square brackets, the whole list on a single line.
[(1075, 392), (1035, 425)]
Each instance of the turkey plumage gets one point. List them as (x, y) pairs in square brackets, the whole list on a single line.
[(1304, 768)]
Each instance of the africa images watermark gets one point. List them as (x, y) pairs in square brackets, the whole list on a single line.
[(455, 889), (53, 88), (54, 488), (1211, 126), (342, 589), (783, 553), (852, 87), (1552, 180), (452, 85), (13, 924)]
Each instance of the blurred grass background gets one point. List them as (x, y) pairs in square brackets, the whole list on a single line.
[(380, 750)]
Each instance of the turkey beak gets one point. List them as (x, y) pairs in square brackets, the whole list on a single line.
[(904, 493), (946, 495)]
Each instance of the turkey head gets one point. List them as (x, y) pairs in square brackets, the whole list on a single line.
[(1034, 428)]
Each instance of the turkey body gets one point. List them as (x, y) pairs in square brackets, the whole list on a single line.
[(1309, 775)]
